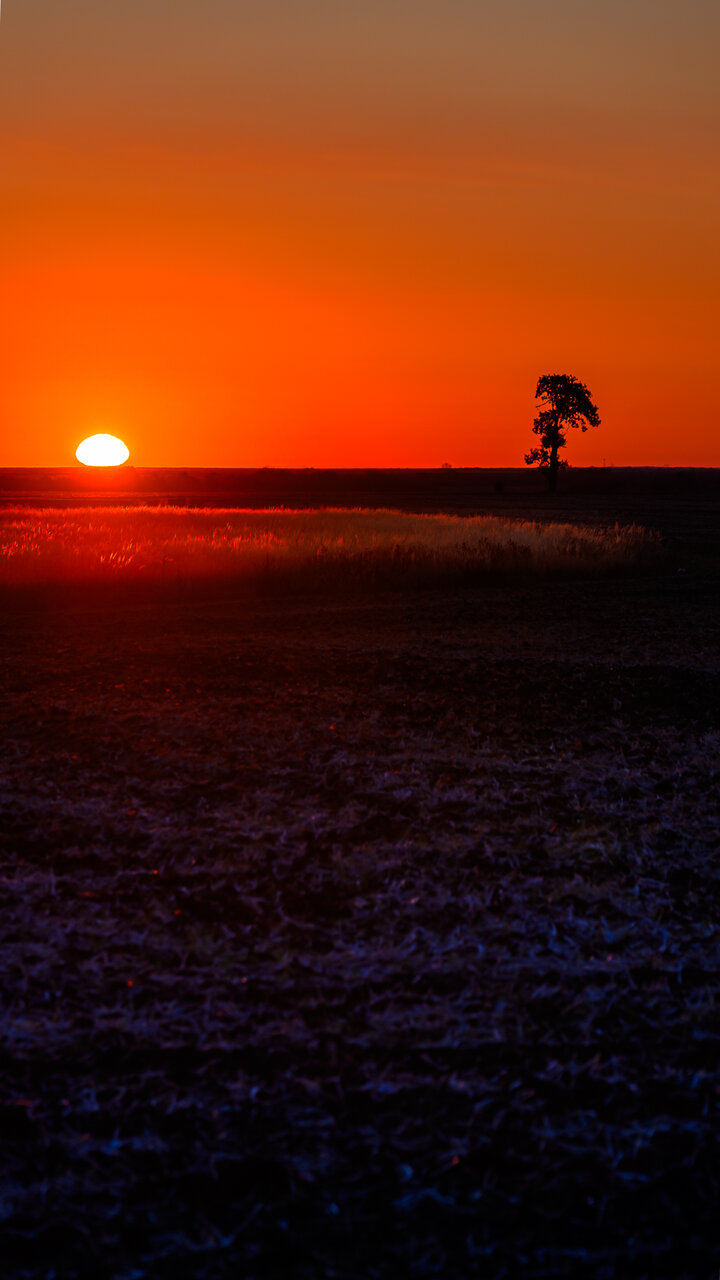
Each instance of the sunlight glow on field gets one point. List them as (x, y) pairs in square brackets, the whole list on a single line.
[(371, 546)]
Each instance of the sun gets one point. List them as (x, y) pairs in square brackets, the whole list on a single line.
[(102, 451)]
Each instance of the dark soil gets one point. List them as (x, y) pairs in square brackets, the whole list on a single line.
[(375, 938)]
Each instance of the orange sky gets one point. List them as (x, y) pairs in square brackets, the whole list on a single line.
[(355, 235)]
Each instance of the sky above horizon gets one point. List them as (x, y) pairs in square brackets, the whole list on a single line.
[(354, 232)]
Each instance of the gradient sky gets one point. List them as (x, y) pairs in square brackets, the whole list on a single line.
[(354, 232)]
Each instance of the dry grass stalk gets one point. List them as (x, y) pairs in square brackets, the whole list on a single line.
[(98, 544)]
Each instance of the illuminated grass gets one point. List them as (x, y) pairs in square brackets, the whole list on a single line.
[(101, 544)]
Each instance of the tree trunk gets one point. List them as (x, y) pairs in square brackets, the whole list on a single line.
[(554, 468)]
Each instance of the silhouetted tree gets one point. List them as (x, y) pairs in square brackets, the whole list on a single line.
[(564, 402)]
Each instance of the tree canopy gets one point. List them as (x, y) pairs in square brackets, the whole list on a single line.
[(564, 402)]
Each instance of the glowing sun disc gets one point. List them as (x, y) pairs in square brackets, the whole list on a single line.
[(102, 451)]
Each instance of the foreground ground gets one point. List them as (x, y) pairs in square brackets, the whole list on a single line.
[(362, 939)]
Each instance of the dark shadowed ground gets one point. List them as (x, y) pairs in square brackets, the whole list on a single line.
[(366, 937)]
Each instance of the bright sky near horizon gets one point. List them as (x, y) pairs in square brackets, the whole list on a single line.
[(355, 232)]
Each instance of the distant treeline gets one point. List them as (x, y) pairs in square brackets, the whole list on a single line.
[(453, 486)]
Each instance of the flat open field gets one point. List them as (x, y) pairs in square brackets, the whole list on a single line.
[(366, 934)]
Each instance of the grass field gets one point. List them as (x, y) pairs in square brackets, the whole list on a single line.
[(362, 935), (95, 544)]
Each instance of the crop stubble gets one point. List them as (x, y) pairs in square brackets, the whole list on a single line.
[(362, 939)]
